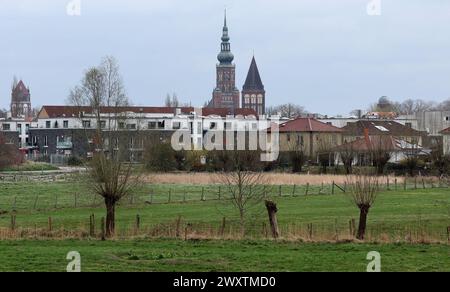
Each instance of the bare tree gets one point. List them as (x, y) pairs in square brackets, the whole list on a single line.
[(380, 151), (347, 155), (412, 160), (440, 161), (297, 156), (9, 154), (324, 153), (172, 101), (287, 110), (244, 186), (102, 92), (364, 191)]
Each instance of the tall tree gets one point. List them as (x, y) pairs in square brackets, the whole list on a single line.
[(101, 90)]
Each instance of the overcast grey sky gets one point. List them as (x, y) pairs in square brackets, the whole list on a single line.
[(327, 55)]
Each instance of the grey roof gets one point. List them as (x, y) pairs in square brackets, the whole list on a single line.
[(253, 81)]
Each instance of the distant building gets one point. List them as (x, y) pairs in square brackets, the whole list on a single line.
[(253, 93), (70, 130), (226, 94), (356, 130), (20, 101), (310, 135), (446, 141)]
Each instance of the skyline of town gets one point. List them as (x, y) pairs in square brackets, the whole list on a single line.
[(184, 63)]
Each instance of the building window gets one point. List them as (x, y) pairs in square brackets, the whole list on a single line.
[(121, 125), (288, 137), (212, 126), (48, 124), (45, 140), (228, 125), (102, 124), (86, 124), (6, 127), (161, 125), (176, 125), (131, 126), (65, 124), (152, 125)]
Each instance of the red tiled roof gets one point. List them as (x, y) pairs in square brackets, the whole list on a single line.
[(308, 125), (74, 111), (445, 131)]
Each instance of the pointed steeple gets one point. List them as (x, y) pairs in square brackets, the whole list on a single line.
[(253, 81), (225, 56)]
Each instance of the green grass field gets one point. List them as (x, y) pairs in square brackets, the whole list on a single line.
[(205, 256), (395, 212)]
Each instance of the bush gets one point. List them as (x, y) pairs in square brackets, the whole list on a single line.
[(74, 161), (160, 157)]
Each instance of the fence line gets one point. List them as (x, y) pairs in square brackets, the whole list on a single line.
[(166, 194)]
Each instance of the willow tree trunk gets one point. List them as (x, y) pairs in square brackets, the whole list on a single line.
[(363, 212), (110, 216), (272, 211)]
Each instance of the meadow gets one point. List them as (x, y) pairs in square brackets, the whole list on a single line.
[(185, 227)]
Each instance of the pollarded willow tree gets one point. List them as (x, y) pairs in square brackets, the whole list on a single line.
[(101, 97), (363, 191)]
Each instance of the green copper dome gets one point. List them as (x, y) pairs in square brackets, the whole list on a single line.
[(225, 56)]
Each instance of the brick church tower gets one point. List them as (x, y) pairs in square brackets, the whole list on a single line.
[(253, 93), (20, 101), (226, 94)]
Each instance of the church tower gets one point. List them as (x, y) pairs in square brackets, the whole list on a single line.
[(253, 93), (20, 101), (226, 94)]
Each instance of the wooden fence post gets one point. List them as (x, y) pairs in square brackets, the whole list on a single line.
[(50, 224), (395, 183), (222, 227), (203, 194), (170, 195), (102, 226), (56, 201), (307, 189), (279, 191), (423, 183), (332, 188), (184, 196), (310, 231), (404, 183), (14, 203), (13, 222), (220, 192), (415, 183), (35, 202), (387, 184), (92, 225), (138, 222), (178, 233), (293, 191)]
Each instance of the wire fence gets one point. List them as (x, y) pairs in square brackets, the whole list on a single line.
[(343, 230), (67, 193)]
